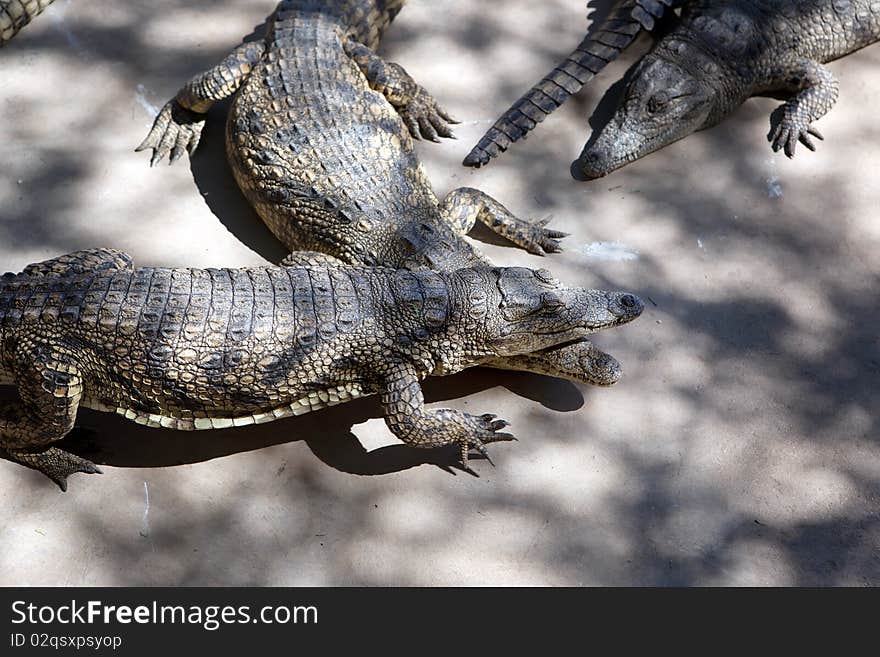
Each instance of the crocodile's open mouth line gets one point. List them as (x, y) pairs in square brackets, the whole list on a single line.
[(564, 344), (589, 330)]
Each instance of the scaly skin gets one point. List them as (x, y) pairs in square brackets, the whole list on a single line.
[(15, 14), (319, 138), (197, 349)]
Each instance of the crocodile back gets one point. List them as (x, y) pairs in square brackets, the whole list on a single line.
[(758, 33), (195, 341), (326, 161)]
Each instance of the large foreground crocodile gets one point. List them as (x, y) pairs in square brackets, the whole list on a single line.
[(15, 14), (207, 349), (712, 59)]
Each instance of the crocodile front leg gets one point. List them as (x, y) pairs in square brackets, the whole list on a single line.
[(424, 117), (404, 406), (178, 127), (50, 387), (464, 206), (816, 91)]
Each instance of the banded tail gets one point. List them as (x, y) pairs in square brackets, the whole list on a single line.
[(15, 14), (599, 48)]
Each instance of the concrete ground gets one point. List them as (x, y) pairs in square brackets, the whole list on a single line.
[(741, 448)]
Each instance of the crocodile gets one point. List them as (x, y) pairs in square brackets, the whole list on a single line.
[(193, 349), (320, 139), (718, 54), (15, 14)]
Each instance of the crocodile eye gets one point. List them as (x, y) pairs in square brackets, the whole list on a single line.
[(658, 102), (545, 276), (551, 303)]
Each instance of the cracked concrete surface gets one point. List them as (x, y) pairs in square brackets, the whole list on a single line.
[(742, 446)]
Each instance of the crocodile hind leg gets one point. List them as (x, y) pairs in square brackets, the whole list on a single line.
[(82, 262), (816, 91), (178, 127), (422, 114), (465, 206), (404, 406), (50, 388)]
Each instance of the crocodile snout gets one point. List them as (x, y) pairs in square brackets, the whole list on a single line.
[(630, 301), (592, 164), (626, 306)]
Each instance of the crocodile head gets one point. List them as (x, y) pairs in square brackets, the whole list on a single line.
[(580, 362), (521, 311), (663, 103)]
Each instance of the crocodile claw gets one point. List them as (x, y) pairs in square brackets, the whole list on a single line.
[(538, 240), (175, 130), (788, 131), (485, 431), (426, 119)]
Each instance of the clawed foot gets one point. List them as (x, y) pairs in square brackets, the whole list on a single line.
[(55, 463), (540, 240), (425, 118), (483, 430), (530, 235), (788, 131), (176, 130)]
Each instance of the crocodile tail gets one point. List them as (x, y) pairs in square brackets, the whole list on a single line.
[(598, 48), (15, 14)]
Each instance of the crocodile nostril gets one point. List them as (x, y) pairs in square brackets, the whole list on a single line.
[(628, 301)]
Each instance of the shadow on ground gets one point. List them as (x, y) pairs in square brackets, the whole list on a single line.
[(741, 447)]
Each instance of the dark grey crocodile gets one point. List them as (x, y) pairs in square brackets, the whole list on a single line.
[(720, 53), (15, 14), (208, 349)]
